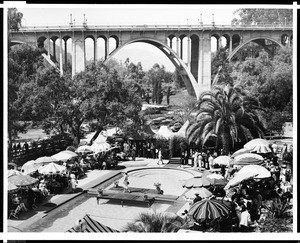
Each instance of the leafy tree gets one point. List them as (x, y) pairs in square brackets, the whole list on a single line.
[(155, 222), (14, 19), (23, 62), (263, 16), (226, 113)]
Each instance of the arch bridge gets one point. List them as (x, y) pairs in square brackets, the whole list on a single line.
[(187, 46)]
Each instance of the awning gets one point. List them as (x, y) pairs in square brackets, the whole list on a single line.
[(94, 226)]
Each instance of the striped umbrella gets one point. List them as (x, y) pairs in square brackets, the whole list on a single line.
[(248, 159), (258, 145), (238, 178), (64, 155), (51, 168), (260, 170), (196, 182), (93, 226), (209, 210), (22, 180)]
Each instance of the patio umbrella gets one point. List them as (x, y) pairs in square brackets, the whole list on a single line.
[(84, 149), (22, 180), (93, 226), (64, 155), (45, 160), (222, 160), (248, 158), (209, 210), (217, 180), (262, 171), (258, 145), (51, 168), (240, 151), (11, 187), (13, 172), (29, 167), (238, 178), (100, 147), (196, 182), (203, 192)]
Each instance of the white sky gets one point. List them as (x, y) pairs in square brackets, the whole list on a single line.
[(117, 14)]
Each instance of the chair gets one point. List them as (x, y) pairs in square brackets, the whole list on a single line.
[(14, 212)]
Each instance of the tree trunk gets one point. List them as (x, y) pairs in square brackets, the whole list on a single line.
[(226, 141)]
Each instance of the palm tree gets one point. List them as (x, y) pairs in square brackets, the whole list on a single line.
[(155, 222), (229, 114)]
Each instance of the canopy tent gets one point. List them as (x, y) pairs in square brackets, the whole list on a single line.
[(164, 132), (258, 145), (93, 226), (51, 168), (182, 131), (29, 167)]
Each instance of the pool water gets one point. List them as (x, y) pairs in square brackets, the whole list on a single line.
[(113, 214)]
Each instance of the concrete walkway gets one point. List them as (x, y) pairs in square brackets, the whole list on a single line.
[(93, 178)]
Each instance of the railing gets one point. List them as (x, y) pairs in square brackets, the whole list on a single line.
[(154, 27)]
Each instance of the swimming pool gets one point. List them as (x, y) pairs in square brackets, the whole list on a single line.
[(113, 214)]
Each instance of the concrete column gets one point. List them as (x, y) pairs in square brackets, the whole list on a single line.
[(189, 53), (60, 56), (181, 49), (95, 50), (48, 45), (177, 46), (220, 43), (106, 48), (230, 44), (171, 43), (204, 68), (73, 56), (84, 52)]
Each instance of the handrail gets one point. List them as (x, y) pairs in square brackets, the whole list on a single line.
[(156, 27)]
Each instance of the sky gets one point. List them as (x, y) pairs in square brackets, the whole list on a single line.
[(170, 14)]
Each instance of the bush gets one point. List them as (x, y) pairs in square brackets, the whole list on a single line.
[(176, 144), (163, 144)]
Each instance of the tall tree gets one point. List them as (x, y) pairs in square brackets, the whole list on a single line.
[(263, 16), (227, 115)]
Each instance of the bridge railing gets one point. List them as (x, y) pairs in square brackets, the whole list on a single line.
[(156, 27)]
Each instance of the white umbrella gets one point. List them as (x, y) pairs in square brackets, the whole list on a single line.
[(51, 168), (222, 160), (238, 178), (258, 145), (215, 176), (100, 147), (262, 171), (240, 151), (64, 155), (45, 160), (13, 172), (84, 149), (29, 167), (248, 158)]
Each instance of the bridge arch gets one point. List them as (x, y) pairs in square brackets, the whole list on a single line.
[(189, 80), (251, 40)]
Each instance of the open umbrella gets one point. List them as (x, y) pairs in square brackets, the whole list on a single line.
[(239, 177), (11, 187), (240, 151), (45, 160), (258, 145), (22, 180), (64, 155), (222, 160), (84, 149), (217, 179), (51, 168), (262, 171), (196, 182), (209, 210), (248, 158), (100, 147), (203, 192), (29, 167), (13, 172)]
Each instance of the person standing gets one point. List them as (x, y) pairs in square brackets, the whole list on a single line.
[(195, 157), (133, 151), (210, 161), (152, 148), (245, 219), (126, 182), (160, 160)]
